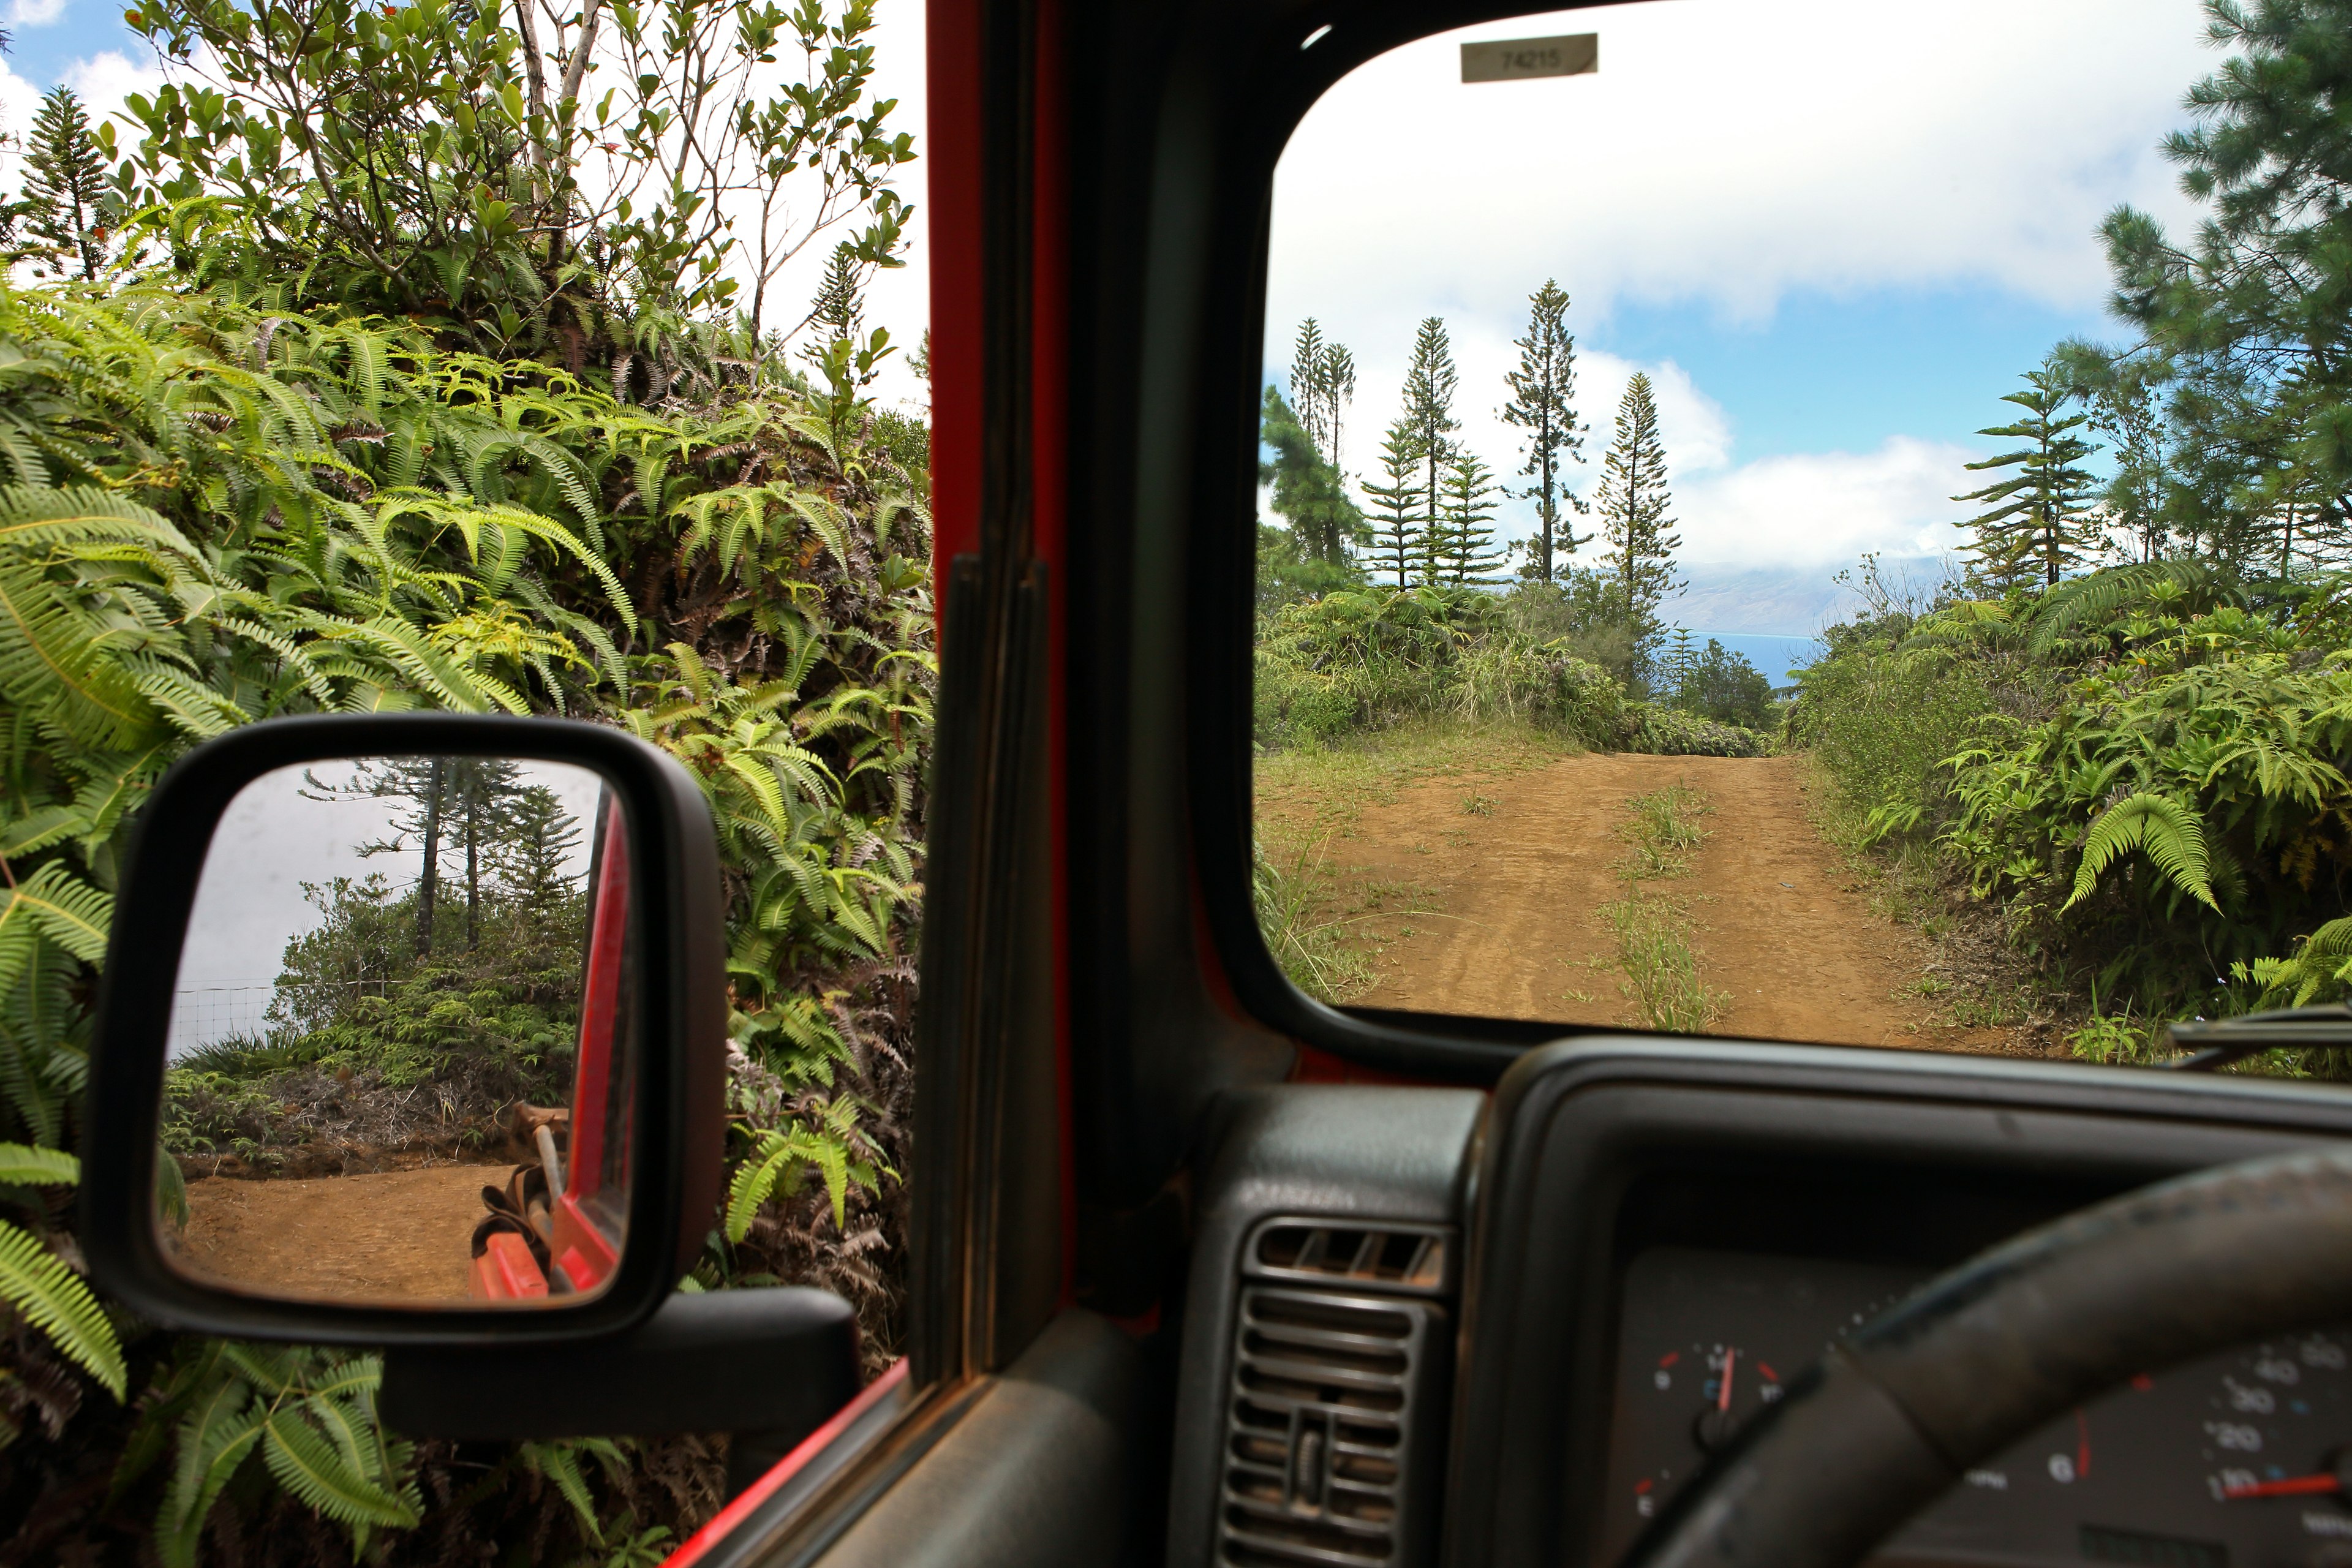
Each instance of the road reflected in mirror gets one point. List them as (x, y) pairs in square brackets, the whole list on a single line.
[(403, 1037)]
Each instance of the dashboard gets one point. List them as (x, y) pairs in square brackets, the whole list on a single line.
[(2231, 1462), (1633, 1246)]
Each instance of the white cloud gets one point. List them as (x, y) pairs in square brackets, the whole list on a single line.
[(1824, 509), (105, 80), (1728, 153), (35, 13), (1725, 156)]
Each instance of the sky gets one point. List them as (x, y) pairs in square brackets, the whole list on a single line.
[(1834, 233), (249, 901)]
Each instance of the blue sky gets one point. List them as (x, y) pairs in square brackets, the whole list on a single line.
[(82, 43), (1834, 233)]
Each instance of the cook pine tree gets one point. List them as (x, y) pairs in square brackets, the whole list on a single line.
[(455, 806), (64, 208), (2038, 524), (1396, 509), (1467, 555), (1543, 403), (1430, 383), (1637, 528), (1322, 385)]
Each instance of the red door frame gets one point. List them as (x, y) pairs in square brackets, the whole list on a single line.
[(958, 47)]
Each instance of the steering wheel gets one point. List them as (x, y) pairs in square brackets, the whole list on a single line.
[(1982, 1356)]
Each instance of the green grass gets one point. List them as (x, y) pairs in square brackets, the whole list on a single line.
[(1660, 971), (1310, 943), (1658, 967)]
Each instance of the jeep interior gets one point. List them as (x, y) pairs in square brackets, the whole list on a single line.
[(1204, 1270)]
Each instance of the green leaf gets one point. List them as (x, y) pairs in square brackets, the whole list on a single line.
[(24, 1166), (52, 1298), (2166, 831), (308, 1466)]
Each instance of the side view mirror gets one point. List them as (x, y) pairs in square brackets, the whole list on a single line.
[(412, 1032)]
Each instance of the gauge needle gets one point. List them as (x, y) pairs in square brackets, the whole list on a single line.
[(2293, 1485), (1722, 1395)]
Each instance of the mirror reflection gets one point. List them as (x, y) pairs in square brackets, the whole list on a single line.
[(402, 1039)]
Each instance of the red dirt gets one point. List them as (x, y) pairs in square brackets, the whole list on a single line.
[(394, 1235), (1777, 921)]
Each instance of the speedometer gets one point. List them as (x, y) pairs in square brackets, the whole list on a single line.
[(2240, 1460)]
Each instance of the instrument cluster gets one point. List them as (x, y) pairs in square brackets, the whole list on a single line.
[(2240, 1460)]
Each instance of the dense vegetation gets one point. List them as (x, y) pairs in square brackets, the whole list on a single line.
[(2123, 725), (284, 432)]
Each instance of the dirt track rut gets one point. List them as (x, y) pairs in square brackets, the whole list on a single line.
[(395, 1235), (1511, 931)]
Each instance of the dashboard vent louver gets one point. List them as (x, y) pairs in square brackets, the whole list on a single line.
[(1405, 1259), (1337, 1390)]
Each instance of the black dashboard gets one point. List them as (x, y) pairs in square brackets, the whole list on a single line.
[(1644, 1242)]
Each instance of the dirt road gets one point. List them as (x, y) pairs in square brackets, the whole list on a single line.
[(1510, 890), (397, 1235)]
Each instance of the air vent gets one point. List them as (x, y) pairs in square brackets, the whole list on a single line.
[(1325, 1447), (1391, 1256)]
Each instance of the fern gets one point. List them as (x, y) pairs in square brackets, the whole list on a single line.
[(24, 1166), (221, 1428), (2168, 832), (2098, 597), (53, 1299)]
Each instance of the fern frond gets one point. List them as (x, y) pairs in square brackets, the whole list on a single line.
[(52, 1298), (23, 1165), (2168, 832), (325, 1480)]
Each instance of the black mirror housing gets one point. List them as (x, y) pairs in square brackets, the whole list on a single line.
[(679, 1006)]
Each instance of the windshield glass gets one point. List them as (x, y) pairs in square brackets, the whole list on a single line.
[(1825, 522)]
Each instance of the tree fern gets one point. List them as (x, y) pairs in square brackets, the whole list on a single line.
[(51, 1297), (2166, 831)]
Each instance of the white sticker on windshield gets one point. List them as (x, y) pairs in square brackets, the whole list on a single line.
[(1509, 59)]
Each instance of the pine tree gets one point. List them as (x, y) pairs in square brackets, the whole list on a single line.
[(2037, 523), (1322, 382), (1396, 528), (2249, 313), (1543, 403), (1339, 391), (1306, 373), (533, 852), (66, 204), (455, 804), (1639, 561), (1429, 385), (1309, 493), (1679, 659), (1468, 554)]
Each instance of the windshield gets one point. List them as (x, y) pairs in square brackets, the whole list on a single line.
[(1825, 522)]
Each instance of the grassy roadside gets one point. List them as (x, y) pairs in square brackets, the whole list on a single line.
[(1975, 978), (1326, 917)]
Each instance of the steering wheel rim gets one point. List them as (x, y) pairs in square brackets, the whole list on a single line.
[(1983, 1355)]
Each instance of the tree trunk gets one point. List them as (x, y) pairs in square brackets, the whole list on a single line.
[(429, 883), (472, 870)]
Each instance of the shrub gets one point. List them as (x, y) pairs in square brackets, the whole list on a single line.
[(1671, 732)]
